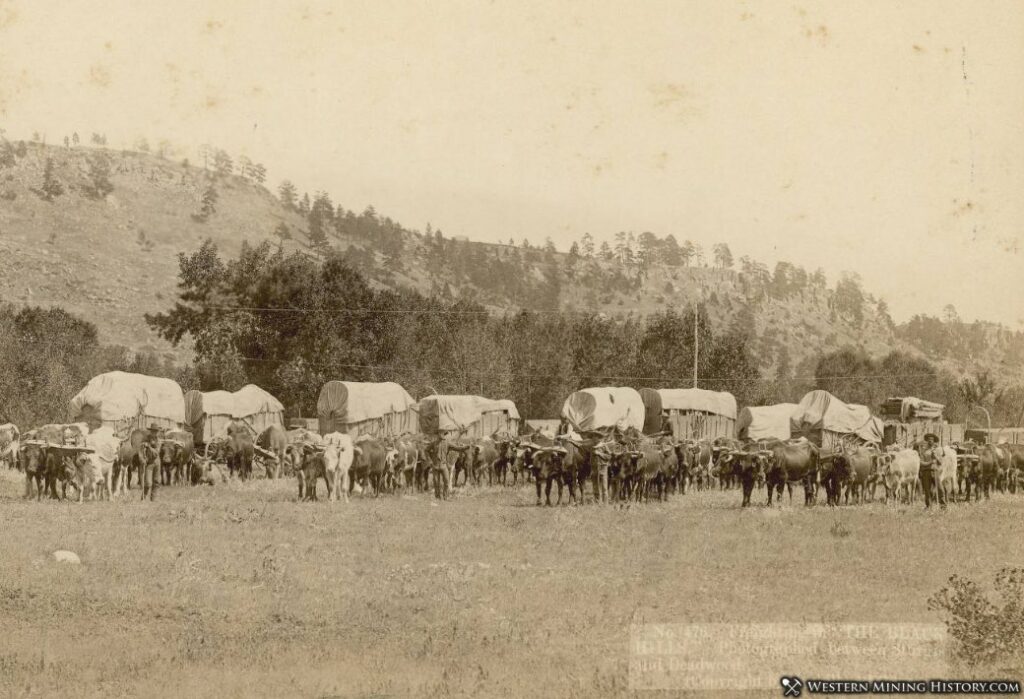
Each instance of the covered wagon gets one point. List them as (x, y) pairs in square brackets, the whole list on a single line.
[(608, 407), (469, 416), (209, 414), (124, 401), (690, 413), (765, 422), (376, 409), (827, 422), (908, 419)]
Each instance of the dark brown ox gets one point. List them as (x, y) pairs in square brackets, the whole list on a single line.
[(792, 463), (128, 461), (1016, 465), (649, 468), (991, 461), (176, 450), (861, 467), (33, 460), (237, 450), (748, 468), (369, 464), (833, 474)]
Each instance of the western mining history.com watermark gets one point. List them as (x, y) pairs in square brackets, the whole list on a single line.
[(776, 656)]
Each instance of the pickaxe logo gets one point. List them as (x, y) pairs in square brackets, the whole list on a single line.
[(791, 686)]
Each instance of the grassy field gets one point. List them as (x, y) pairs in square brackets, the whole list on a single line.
[(238, 591)]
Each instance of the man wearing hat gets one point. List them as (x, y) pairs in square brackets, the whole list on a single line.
[(149, 456), (931, 462)]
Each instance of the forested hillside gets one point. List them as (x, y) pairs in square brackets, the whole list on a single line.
[(97, 231)]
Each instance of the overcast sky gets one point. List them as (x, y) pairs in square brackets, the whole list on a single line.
[(880, 137)]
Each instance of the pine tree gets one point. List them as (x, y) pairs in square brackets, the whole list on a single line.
[(620, 246), (245, 167), (287, 194), (51, 188), (606, 251), (283, 233), (222, 163), (99, 176), (7, 154), (259, 173), (723, 256), (74, 138), (321, 216), (687, 252), (587, 245), (304, 205), (208, 204)]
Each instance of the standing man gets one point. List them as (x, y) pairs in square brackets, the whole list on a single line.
[(149, 458), (931, 462)]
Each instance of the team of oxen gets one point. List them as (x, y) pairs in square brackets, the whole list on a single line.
[(618, 465)]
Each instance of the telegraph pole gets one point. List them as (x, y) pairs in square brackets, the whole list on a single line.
[(696, 339), (696, 346)]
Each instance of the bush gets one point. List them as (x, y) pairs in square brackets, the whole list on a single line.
[(987, 633)]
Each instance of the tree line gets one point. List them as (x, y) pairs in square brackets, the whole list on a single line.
[(289, 323)]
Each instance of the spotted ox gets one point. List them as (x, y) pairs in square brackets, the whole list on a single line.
[(900, 470)]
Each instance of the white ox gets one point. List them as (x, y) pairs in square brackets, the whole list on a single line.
[(339, 451), (900, 470), (96, 469), (10, 444), (946, 474)]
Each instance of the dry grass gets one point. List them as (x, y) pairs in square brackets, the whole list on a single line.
[(239, 591)]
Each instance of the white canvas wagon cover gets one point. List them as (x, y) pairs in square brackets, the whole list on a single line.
[(821, 411), (714, 402), (458, 413), (765, 421), (122, 401), (601, 408), (347, 402), (209, 413)]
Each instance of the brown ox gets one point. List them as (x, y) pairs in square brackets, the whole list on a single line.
[(273, 439), (792, 463), (861, 468), (748, 467)]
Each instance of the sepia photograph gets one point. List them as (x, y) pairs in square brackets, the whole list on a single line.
[(490, 348)]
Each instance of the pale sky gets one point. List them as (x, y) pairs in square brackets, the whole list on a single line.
[(843, 135)]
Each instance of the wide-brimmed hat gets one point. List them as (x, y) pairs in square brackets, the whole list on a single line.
[(931, 437), (153, 427)]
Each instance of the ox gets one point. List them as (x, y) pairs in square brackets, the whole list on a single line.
[(176, 451), (792, 463), (861, 467), (748, 468), (10, 445), (274, 440), (900, 470), (333, 463)]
